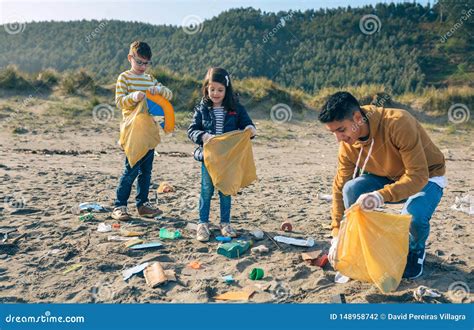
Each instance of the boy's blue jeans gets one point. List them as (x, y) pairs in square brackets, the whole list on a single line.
[(207, 190), (420, 206), (142, 170)]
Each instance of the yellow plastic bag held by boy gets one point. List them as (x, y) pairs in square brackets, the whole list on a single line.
[(229, 160), (373, 247), (138, 133)]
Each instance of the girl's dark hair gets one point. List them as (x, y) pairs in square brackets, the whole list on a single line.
[(221, 76)]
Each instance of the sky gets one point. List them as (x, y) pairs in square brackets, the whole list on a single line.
[(156, 12)]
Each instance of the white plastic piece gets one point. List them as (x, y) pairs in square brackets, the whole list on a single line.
[(294, 241)]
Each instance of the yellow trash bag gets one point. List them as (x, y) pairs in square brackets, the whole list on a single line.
[(373, 247), (229, 160), (138, 133)]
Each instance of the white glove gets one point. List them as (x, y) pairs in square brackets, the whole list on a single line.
[(137, 96), (162, 90), (370, 201), (333, 250), (206, 137), (252, 129)]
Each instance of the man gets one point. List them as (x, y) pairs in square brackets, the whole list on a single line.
[(385, 156)]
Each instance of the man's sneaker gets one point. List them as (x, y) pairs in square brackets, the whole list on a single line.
[(120, 213), (202, 232), (228, 231), (414, 267), (148, 211)]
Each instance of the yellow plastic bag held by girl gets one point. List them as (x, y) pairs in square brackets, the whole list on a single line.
[(373, 247), (229, 160)]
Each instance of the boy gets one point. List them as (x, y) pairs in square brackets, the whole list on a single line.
[(385, 156), (130, 89)]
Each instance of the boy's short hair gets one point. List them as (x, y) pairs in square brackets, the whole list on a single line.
[(338, 107), (141, 49)]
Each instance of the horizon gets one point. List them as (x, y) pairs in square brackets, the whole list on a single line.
[(179, 13)]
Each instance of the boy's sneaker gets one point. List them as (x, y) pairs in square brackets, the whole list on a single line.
[(202, 232), (414, 267), (227, 230), (120, 213), (148, 211)]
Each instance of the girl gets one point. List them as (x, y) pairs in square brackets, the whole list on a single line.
[(218, 112)]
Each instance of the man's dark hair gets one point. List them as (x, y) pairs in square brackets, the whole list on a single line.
[(141, 49), (338, 107)]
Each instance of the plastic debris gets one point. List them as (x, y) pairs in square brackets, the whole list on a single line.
[(294, 241), (115, 238), (228, 279), (195, 265), (311, 257), (127, 273), (133, 242), (72, 268), (146, 245), (322, 261), (127, 233), (115, 226), (87, 217), (256, 274), (261, 249), (165, 233), (422, 292), (338, 299), (104, 227), (242, 295), (325, 197), (165, 187), (257, 233), (233, 249), (91, 207), (286, 226), (464, 204), (156, 275), (223, 239)]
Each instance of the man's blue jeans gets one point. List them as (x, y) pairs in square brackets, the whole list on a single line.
[(142, 169), (207, 190), (420, 206)]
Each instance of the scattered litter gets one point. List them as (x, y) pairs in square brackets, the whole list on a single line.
[(165, 187), (325, 197), (195, 265), (422, 292), (286, 226), (146, 245), (260, 249), (338, 299), (119, 238), (92, 207), (126, 233), (104, 227), (262, 286), (235, 295), (223, 239), (464, 204), (87, 217), (165, 233), (233, 249), (115, 226), (273, 241), (133, 242), (311, 257), (322, 260), (257, 233), (228, 279), (155, 275), (6, 230), (294, 241), (72, 268), (341, 279), (127, 273), (256, 274)]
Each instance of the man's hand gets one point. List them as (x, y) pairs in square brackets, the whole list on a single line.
[(138, 96), (162, 90), (370, 201), (206, 137), (252, 129)]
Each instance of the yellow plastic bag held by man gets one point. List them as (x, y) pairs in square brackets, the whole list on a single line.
[(229, 160), (372, 247), (138, 133)]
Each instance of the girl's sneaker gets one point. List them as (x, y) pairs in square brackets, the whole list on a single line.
[(202, 232), (120, 213), (227, 230)]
